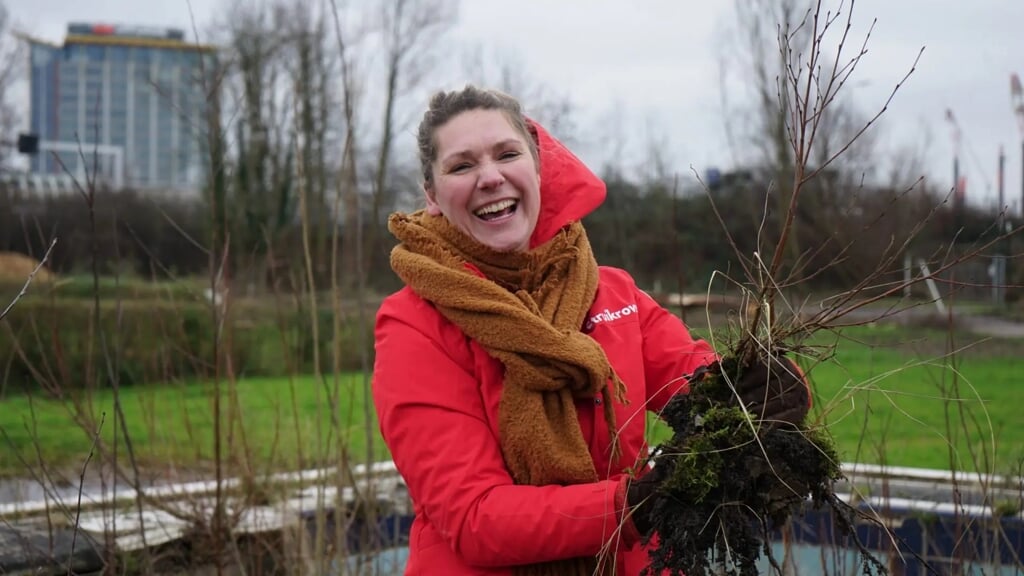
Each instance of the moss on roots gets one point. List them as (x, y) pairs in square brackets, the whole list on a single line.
[(728, 480)]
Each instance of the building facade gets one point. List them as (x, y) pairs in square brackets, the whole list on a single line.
[(132, 98)]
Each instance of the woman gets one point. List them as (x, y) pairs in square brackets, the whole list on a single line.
[(512, 373)]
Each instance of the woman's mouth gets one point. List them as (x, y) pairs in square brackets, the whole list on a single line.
[(497, 210)]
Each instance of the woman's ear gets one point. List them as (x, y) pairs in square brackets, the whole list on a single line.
[(433, 208)]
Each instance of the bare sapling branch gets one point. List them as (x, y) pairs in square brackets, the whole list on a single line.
[(805, 115), (731, 467), (81, 484)]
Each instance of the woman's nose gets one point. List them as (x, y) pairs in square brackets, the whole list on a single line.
[(490, 176)]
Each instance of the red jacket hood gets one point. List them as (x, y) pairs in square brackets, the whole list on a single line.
[(568, 189)]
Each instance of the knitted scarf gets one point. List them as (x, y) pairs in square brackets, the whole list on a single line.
[(527, 313)]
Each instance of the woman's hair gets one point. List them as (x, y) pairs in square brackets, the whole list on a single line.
[(446, 105)]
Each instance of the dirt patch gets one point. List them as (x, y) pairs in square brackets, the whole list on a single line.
[(15, 268)]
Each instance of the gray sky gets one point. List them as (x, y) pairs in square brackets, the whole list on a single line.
[(657, 62)]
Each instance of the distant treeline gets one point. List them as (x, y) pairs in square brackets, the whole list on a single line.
[(669, 238)]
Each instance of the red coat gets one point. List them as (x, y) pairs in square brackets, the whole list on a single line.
[(437, 396)]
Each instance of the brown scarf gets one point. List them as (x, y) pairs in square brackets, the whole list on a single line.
[(526, 313)]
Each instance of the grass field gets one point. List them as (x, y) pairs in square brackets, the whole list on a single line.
[(906, 401), (895, 395), (278, 423), (889, 398)]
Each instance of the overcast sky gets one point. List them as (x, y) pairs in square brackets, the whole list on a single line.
[(658, 61)]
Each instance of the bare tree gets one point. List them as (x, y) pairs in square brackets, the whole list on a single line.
[(759, 97), (410, 28), (312, 69), (347, 205), (12, 58), (269, 105), (302, 90)]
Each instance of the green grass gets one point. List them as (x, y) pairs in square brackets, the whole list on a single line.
[(278, 423), (895, 396), (905, 402), (884, 399)]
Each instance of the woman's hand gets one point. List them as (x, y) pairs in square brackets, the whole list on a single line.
[(774, 390), (641, 496)]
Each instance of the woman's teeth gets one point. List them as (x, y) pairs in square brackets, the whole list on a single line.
[(496, 209)]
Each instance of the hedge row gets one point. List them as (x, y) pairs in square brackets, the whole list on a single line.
[(51, 344)]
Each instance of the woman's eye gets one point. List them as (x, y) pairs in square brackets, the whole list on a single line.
[(509, 155), (459, 168)]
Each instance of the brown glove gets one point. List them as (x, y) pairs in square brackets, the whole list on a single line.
[(774, 390)]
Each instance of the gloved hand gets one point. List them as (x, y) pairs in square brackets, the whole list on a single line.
[(774, 390), (640, 494)]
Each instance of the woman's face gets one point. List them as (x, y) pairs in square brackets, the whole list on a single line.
[(485, 180)]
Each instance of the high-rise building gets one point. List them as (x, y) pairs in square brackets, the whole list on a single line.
[(134, 94)]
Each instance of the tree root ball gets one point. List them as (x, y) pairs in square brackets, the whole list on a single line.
[(728, 480)]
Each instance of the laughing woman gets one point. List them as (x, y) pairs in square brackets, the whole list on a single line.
[(513, 373)]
